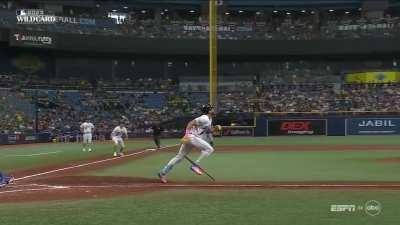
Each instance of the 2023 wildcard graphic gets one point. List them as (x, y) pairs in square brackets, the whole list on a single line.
[(296, 127)]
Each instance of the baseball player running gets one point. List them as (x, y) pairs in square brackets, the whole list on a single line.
[(197, 131), (117, 137), (87, 129)]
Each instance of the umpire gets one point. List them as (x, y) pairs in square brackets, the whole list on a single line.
[(157, 129)]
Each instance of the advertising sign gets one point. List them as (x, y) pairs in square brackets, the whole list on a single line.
[(296, 127), (372, 126), (237, 131), (32, 39)]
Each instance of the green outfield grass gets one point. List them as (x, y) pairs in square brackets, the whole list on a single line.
[(215, 207), (31, 156), (277, 207), (323, 166), (19, 158), (312, 140)]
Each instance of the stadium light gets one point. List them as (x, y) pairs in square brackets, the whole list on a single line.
[(240, 11), (312, 12), (359, 9), (162, 13), (192, 11), (165, 10), (303, 11), (288, 13), (331, 10), (347, 12), (125, 7), (114, 10), (275, 11), (227, 13), (143, 11)]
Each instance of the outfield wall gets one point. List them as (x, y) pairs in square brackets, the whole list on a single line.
[(329, 126), (20, 138)]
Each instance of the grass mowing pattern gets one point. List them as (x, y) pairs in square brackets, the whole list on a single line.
[(311, 140), (328, 166), (12, 159), (278, 207), (72, 151)]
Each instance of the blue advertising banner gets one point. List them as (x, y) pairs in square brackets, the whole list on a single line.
[(373, 126)]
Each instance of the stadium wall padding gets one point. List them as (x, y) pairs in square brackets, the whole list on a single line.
[(335, 125)]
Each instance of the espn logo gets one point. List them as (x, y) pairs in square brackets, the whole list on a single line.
[(343, 208)]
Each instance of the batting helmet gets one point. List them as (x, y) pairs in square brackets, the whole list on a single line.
[(206, 108)]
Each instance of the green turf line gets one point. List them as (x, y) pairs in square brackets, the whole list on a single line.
[(311, 140), (12, 159), (285, 166), (71, 152), (278, 207)]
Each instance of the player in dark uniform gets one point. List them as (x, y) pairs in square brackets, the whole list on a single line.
[(157, 129), (4, 180)]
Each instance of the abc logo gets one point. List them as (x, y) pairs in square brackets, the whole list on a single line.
[(373, 208)]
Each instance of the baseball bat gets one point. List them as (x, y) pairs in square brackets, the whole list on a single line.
[(193, 163)]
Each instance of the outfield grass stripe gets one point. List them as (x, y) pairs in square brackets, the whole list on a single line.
[(90, 163), (30, 155), (259, 186)]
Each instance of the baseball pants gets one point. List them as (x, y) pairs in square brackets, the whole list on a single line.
[(87, 138), (194, 142)]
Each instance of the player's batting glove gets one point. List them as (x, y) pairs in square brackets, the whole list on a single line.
[(184, 140)]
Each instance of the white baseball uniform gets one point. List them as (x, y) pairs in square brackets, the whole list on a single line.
[(87, 128), (116, 135), (200, 134), (195, 140)]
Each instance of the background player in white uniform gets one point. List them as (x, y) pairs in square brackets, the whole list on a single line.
[(197, 131), (87, 129), (117, 136)]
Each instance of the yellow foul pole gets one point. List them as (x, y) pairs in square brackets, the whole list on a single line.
[(213, 51)]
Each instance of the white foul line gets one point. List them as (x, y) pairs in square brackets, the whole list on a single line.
[(37, 154), (159, 185), (156, 185), (33, 189), (90, 163)]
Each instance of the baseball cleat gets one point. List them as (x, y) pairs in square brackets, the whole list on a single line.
[(121, 154), (163, 179), (197, 170), (11, 180), (89, 150), (83, 150), (115, 154)]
